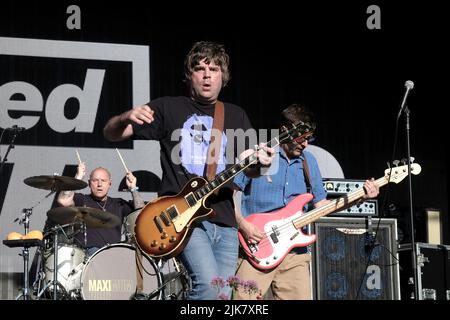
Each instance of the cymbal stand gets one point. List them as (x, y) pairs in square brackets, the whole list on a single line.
[(55, 266), (25, 220), (83, 227)]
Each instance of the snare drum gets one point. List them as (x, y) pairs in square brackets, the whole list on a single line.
[(111, 274)]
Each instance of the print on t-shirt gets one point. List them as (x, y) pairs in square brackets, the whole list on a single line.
[(195, 138)]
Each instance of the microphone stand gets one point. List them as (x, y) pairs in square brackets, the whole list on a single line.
[(11, 146), (411, 211)]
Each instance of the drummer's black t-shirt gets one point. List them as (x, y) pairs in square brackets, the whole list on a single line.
[(183, 129), (99, 237)]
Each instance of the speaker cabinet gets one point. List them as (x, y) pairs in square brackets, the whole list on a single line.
[(350, 263)]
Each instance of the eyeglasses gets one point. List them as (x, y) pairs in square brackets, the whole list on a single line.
[(308, 138)]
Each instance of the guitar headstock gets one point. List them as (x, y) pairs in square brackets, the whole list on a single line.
[(298, 131), (398, 173)]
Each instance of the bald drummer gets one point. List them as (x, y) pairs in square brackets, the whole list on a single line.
[(100, 184)]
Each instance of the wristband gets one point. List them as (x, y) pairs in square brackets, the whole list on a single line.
[(134, 189)]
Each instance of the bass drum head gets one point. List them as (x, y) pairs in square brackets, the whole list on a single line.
[(111, 274)]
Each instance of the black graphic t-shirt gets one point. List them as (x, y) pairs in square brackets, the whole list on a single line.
[(183, 128), (99, 237)]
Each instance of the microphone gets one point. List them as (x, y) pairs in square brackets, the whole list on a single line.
[(409, 85)]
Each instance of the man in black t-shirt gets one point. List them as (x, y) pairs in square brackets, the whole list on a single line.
[(100, 183), (183, 127)]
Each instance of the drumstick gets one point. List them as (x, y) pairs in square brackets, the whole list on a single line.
[(78, 156), (123, 162)]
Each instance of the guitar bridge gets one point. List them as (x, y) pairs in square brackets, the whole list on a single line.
[(158, 223), (253, 247)]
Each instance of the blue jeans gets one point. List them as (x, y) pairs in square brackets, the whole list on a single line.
[(211, 251)]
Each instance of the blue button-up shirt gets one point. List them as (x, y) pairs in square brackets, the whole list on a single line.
[(287, 181)]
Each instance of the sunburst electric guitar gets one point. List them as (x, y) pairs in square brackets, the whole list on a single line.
[(164, 224), (283, 227)]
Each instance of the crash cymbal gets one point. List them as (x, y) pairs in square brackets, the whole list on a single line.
[(55, 183), (94, 218)]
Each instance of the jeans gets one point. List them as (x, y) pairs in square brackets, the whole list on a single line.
[(211, 251)]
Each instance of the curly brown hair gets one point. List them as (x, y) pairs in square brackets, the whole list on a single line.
[(212, 51)]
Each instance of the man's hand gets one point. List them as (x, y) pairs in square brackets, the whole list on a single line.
[(250, 232), (131, 180), (265, 155), (371, 189), (81, 171), (139, 115)]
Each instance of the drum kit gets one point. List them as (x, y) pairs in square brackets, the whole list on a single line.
[(115, 272)]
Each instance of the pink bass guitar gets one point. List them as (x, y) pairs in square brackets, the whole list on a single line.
[(282, 227)]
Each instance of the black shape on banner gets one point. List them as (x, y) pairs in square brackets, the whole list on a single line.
[(5, 176)]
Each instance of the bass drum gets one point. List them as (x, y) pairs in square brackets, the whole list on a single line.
[(111, 274)]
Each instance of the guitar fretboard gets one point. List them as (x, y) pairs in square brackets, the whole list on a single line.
[(335, 205), (295, 131)]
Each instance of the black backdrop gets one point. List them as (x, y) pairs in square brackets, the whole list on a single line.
[(322, 55)]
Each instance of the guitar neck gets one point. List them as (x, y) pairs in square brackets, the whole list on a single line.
[(335, 205), (231, 172)]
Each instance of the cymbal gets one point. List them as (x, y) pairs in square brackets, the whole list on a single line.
[(56, 183), (94, 218)]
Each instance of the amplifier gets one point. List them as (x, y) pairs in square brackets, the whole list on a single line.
[(338, 187), (363, 209)]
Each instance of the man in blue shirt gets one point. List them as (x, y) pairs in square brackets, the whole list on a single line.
[(297, 173)]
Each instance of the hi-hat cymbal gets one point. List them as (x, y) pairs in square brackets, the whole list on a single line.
[(94, 218), (55, 183)]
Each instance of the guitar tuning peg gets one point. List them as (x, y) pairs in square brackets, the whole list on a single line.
[(396, 162), (411, 159), (388, 165)]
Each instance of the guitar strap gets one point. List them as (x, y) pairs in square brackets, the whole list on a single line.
[(139, 272), (212, 157), (307, 176)]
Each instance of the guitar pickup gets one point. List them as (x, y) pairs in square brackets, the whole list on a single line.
[(173, 212), (274, 235), (294, 235), (190, 199), (165, 219)]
